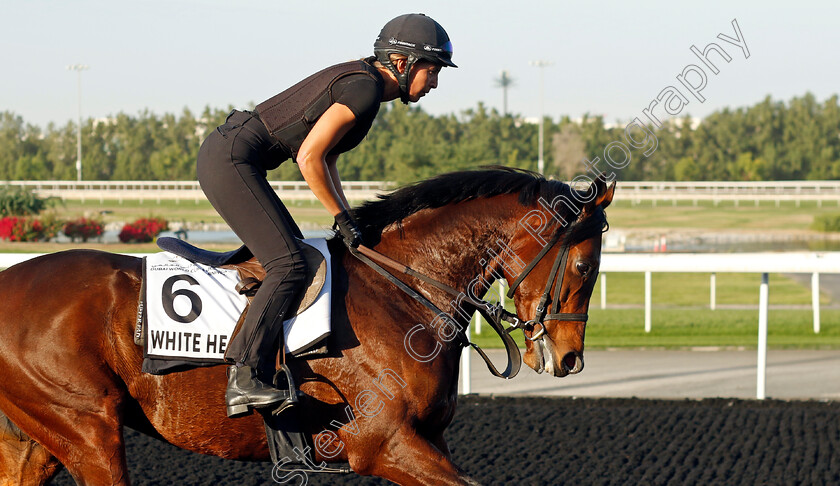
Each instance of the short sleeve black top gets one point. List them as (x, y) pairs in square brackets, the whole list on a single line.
[(363, 95), (361, 92)]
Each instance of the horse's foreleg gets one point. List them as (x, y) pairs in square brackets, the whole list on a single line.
[(76, 420), (410, 459), (22, 460), (89, 445)]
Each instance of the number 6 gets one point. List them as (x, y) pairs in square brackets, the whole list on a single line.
[(168, 299)]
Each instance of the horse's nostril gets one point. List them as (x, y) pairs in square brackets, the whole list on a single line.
[(570, 360), (573, 362)]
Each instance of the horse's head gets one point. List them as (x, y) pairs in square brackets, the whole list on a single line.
[(560, 240)]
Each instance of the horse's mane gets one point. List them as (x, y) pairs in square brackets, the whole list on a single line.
[(454, 187)]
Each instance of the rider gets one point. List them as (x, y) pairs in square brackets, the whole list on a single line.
[(312, 123)]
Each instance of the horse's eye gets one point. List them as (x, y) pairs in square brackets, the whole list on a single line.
[(584, 268)]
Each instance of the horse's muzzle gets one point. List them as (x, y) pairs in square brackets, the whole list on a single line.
[(571, 363)]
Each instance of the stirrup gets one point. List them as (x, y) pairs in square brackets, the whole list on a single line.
[(283, 381)]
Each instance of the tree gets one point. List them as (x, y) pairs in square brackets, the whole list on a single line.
[(568, 147), (770, 140), (11, 143), (504, 81)]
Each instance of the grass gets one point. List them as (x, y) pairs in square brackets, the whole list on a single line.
[(306, 213), (692, 289), (626, 215), (676, 328), (673, 327)]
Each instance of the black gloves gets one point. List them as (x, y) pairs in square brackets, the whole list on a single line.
[(348, 230)]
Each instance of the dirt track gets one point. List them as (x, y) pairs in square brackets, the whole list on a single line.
[(547, 441)]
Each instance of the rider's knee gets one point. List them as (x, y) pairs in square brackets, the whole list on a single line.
[(299, 269), (292, 268)]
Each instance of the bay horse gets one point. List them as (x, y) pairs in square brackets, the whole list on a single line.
[(379, 401)]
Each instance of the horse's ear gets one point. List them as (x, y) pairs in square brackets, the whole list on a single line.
[(603, 193)]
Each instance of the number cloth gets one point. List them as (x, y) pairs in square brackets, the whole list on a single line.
[(186, 303), (191, 310)]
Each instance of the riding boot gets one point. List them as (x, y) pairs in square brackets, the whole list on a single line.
[(246, 391)]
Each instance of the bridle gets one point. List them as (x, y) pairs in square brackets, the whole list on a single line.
[(493, 313), (559, 268)]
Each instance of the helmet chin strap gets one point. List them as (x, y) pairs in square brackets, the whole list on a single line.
[(402, 78)]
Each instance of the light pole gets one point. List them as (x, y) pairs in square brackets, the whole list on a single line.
[(79, 68), (541, 161)]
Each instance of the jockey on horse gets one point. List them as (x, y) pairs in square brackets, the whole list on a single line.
[(312, 122)]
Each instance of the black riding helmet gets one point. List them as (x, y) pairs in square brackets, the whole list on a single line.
[(417, 37)]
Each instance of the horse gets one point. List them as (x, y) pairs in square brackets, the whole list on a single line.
[(380, 400)]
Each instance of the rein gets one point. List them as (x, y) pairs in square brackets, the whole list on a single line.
[(493, 313)]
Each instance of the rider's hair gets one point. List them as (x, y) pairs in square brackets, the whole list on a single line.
[(394, 56)]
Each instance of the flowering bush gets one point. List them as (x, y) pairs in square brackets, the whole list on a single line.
[(7, 225), (143, 230), (28, 229), (82, 228)]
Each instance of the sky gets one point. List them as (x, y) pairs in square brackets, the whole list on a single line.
[(609, 58)]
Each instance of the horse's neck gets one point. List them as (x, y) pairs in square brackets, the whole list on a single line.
[(448, 244), (451, 244)]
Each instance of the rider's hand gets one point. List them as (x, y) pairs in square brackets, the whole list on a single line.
[(348, 229)]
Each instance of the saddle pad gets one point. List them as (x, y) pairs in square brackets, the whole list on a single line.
[(191, 310)]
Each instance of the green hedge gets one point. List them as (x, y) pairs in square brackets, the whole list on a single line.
[(22, 201)]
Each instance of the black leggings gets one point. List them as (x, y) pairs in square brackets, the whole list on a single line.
[(230, 171)]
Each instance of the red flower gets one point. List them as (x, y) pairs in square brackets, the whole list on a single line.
[(24, 229), (7, 224), (143, 230), (83, 228)]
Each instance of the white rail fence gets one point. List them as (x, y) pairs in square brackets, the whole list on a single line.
[(180, 190), (714, 263), (655, 191), (717, 191), (813, 263)]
